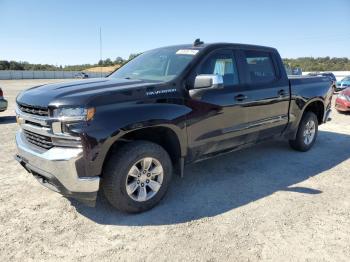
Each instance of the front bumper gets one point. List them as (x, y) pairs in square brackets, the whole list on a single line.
[(3, 104), (56, 169)]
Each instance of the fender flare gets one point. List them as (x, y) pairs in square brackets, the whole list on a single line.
[(121, 132), (295, 125)]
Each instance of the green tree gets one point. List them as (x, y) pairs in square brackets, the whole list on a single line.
[(118, 60), (108, 62), (132, 56)]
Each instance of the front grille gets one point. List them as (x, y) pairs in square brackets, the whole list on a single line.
[(38, 140), (33, 110)]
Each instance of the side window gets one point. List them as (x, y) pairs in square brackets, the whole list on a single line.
[(260, 67), (221, 63)]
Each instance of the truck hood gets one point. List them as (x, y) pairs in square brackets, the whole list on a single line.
[(84, 92)]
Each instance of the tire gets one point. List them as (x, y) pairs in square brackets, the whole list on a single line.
[(301, 143), (125, 169)]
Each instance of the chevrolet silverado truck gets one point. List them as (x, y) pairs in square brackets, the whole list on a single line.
[(127, 133)]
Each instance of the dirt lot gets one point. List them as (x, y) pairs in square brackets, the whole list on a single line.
[(263, 203)]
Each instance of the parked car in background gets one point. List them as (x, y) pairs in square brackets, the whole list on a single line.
[(343, 84), (296, 71), (330, 75), (342, 103), (81, 75), (3, 101)]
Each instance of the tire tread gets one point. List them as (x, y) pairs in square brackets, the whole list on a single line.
[(298, 143), (115, 171)]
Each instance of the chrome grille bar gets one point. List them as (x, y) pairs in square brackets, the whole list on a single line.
[(39, 140), (34, 110)]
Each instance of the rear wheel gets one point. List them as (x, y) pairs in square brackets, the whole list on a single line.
[(137, 176), (307, 133)]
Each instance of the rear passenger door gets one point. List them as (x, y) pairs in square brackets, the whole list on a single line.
[(266, 96)]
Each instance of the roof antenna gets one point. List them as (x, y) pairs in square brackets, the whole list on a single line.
[(198, 42)]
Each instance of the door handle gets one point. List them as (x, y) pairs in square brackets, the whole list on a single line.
[(281, 92), (240, 97)]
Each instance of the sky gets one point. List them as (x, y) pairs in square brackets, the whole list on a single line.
[(67, 32)]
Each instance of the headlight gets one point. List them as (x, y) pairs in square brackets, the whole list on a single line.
[(74, 114), (344, 97)]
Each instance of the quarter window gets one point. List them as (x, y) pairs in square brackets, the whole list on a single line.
[(260, 67)]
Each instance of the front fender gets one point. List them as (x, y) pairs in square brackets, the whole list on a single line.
[(111, 123)]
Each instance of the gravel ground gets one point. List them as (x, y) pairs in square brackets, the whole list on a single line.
[(264, 203)]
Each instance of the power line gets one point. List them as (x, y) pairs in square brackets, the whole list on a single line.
[(101, 48)]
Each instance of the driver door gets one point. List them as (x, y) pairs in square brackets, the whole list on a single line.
[(217, 115)]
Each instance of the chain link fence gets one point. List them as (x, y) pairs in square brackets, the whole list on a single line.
[(19, 74)]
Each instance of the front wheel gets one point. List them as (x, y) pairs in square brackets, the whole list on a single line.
[(307, 133), (137, 176)]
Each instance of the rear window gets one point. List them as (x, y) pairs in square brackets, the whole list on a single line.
[(260, 67)]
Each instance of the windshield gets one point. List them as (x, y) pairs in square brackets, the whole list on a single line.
[(163, 64)]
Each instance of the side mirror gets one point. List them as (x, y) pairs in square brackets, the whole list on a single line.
[(208, 81)]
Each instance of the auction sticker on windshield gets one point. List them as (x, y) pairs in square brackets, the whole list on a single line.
[(187, 52)]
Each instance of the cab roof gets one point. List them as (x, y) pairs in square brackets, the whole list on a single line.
[(223, 45)]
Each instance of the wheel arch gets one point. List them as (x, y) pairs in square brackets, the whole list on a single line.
[(316, 106), (170, 137)]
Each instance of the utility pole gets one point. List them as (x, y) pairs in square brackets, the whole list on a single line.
[(101, 48)]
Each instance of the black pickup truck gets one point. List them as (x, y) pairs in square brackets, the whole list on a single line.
[(127, 133)]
